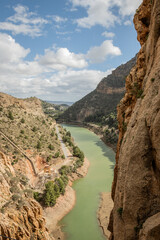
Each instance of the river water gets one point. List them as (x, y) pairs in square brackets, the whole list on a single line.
[(81, 223)]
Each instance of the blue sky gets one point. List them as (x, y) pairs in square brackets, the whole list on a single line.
[(60, 50)]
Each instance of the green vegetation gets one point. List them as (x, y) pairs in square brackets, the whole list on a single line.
[(49, 194), (56, 154), (10, 115), (53, 110), (34, 129), (38, 146), (28, 132), (52, 133), (51, 147), (22, 120), (52, 190)]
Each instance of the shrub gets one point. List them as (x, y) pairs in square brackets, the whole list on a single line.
[(34, 129), (22, 120), (52, 134), (77, 152), (51, 147), (10, 115), (139, 93), (49, 195), (36, 196), (64, 170), (22, 131), (56, 155), (60, 184), (49, 158), (38, 146), (68, 134)]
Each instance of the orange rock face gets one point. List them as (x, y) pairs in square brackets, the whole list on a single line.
[(136, 185), (21, 217)]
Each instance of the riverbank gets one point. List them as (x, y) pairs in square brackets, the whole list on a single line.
[(95, 129), (64, 204), (99, 132), (106, 205)]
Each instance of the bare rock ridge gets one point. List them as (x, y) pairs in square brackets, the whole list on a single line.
[(32, 105), (104, 99), (136, 185)]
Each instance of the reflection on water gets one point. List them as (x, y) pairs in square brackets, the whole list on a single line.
[(81, 223)]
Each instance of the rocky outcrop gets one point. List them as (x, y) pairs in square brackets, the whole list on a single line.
[(26, 223), (136, 185), (21, 217)]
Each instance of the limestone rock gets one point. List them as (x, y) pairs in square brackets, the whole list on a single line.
[(20, 217), (136, 185)]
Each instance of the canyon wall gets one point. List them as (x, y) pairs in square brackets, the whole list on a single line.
[(136, 185)]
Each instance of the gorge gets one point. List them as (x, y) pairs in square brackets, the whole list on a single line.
[(25, 193)]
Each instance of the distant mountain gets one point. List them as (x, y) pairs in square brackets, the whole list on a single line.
[(103, 100), (63, 103)]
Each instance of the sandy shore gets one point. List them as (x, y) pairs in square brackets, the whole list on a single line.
[(64, 205), (106, 205)]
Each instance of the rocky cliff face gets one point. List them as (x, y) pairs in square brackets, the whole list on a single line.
[(20, 216), (136, 186)]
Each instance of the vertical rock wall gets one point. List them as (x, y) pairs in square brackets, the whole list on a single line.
[(136, 185)]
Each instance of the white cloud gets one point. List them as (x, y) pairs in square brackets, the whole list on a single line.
[(24, 22), (127, 23), (100, 11), (100, 53), (52, 76), (11, 52), (57, 18), (127, 7), (108, 34), (62, 58)]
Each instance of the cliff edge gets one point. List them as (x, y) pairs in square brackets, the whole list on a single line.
[(136, 185)]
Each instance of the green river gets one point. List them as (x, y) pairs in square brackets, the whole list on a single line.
[(81, 223)]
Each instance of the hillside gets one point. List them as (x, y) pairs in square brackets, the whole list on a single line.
[(33, 167), (24, 122), (103, 100), (136, 185)]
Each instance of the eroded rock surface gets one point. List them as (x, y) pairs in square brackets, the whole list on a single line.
[(136, 186)]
